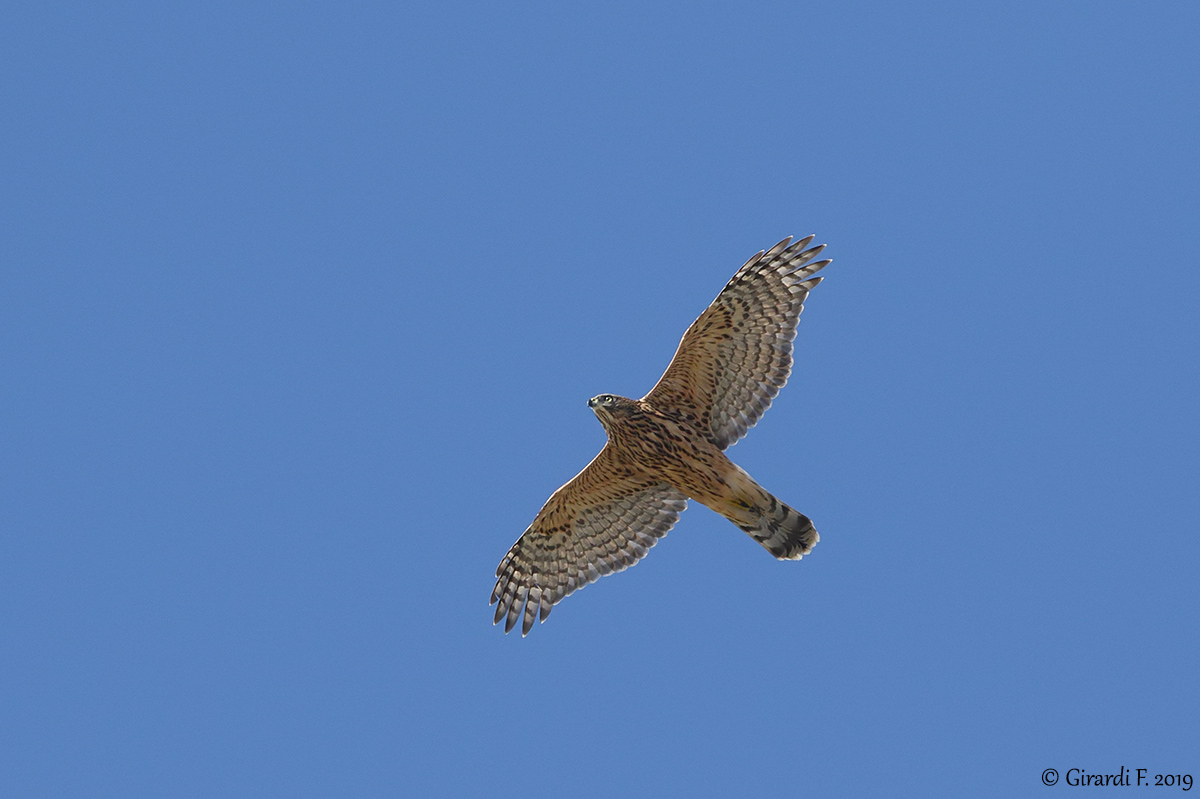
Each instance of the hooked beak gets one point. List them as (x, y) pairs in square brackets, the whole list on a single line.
[(592, 402)]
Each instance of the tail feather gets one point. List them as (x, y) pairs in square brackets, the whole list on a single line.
[(783, 531)]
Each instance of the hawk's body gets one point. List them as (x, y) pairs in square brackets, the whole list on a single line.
[(669, 446)]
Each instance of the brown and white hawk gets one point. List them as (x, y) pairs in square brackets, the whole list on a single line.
[(668, 446)]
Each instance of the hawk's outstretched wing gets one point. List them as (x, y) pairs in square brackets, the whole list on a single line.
[(603, 520), (734, 359)]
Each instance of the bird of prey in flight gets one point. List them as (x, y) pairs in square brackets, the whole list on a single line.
[(669, 446)]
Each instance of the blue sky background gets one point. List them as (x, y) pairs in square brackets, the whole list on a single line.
[(300, 305)]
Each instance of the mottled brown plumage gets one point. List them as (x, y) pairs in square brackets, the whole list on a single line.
[(668, 447)]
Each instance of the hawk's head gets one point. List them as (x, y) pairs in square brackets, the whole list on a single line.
[(608, 407)]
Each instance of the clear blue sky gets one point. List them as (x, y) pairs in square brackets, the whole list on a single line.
[(300, 305)]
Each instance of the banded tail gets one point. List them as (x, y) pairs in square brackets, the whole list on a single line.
[(783, 531)]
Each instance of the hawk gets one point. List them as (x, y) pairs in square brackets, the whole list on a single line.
[(668, 447)]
